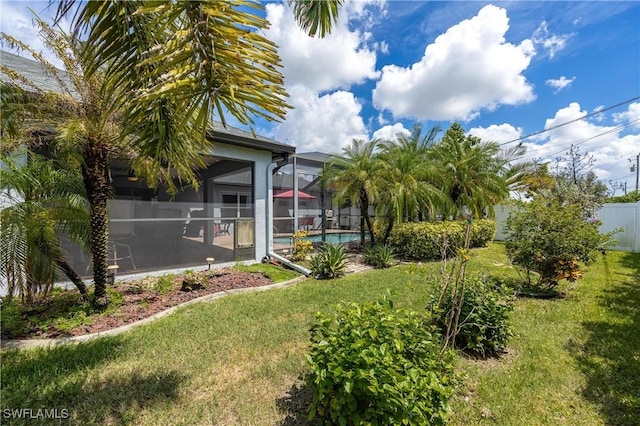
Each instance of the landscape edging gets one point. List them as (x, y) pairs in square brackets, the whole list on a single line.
[(41, 343)]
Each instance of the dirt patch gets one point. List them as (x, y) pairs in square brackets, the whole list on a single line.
[(140, 300)]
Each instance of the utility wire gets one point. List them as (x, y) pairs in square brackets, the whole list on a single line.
[(580, 142), (570, 121)]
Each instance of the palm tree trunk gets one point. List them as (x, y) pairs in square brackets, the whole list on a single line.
[(387, 231), (96, 180), (75, 279), (364, 203)]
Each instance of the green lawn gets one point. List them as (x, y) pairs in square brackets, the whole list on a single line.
[(238, 360)]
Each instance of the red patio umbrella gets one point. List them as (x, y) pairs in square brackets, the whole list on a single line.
[(289, 194)]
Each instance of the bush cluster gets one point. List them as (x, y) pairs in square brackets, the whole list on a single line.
[(432, 240), (484, 325), (329, 262), (550, 239), (301, 246), (372, 364), (379, 256)]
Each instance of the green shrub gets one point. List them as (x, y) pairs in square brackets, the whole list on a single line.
[(427, 240), (372, 364), (164, 284), (550, 239), (379, 256), (329, 262), (484, 325), (483, 231)]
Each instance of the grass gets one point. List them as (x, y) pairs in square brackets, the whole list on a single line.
[(63, 310), (239, 360)]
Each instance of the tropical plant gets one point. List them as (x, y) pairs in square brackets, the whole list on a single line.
[(355, 176), (550, 239), (373, 364), (148, 79), (44, 201), (329, 262), (407, 179), (379, 256), (471, 173)]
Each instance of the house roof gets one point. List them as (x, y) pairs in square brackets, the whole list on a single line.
[(317, 156), (36, 73)]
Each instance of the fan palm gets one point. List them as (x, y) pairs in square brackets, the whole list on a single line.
[(44, 202), (355, 176)]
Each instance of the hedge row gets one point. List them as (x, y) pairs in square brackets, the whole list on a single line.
[(430, 240)]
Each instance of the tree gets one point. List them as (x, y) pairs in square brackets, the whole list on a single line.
[(408, 173), (45, 201), (164, 69), (576, 184), (549, 238), (471, 173), (355, 176)]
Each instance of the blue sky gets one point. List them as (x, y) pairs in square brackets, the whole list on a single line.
[(503, 70)]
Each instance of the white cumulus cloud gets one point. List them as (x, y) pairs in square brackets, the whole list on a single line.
[(389, 132), (631, 115), (609, 145), (468, 68), (500, 133), (337, 61), (557, 84), (321, 123)]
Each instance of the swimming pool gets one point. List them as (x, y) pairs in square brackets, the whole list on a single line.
[(338, 237)]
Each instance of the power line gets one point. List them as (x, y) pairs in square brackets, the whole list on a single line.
[(622, 177), (580, 142), (571, 121)]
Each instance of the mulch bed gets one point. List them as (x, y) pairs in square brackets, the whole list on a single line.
[(140, 302)]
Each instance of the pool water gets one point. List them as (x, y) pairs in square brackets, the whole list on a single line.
[(337, 238)]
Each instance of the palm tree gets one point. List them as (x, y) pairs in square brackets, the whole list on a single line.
[(45, 201), (163, 70), (471, 173), (408, 191), (355, 176)]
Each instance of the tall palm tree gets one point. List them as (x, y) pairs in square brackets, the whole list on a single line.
[(408, 190), (356, 176), (164, 69), (471, 173), (44, 201)]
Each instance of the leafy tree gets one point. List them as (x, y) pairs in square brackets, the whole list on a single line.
[(471, 173), (575, 183), (549, 238), (163, 69), (356, 176), (44, 201)]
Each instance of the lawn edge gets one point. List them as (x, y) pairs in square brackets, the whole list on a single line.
[(40, 343)]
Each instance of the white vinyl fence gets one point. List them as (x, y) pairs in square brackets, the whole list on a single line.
[(613, 216)]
